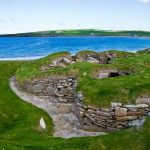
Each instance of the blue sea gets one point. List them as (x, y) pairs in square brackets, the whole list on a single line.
[(36, 47)]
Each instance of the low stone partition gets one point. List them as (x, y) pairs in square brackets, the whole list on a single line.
[(56, 89), (62, 90), (117, 117)]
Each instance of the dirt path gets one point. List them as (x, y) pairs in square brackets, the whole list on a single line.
[(66, 125)]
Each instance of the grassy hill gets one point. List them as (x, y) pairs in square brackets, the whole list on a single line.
[(19, 121), (98, 92), (86, 32)]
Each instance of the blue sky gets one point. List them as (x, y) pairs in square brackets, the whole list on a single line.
[(36, 15)]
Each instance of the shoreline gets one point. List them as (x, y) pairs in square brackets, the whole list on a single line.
[(21, 58), (68, 36), (38, 57)]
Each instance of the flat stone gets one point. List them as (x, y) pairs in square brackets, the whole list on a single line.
[(137, 106), (103, 113), (89, 117), (105, 110), (136, 113), (82, 114), (90, 111), (120, 112), (94, 61), (142, 106), (126, 118)]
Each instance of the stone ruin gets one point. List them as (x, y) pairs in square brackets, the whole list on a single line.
[(109, 73), (62, 91), (96, 58)]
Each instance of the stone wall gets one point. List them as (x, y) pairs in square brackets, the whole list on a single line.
[(117, 117), (62, 90), (57, 89)]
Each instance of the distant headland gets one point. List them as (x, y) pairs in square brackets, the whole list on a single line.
[(83, 32)]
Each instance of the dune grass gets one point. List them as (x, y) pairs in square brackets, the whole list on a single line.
[(19, 126)]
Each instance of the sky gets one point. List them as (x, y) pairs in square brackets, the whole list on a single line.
[(18, 16)]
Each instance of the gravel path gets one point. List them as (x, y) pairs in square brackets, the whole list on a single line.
[(66, 125)]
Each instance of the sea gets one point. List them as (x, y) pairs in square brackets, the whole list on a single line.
[(24, 48)]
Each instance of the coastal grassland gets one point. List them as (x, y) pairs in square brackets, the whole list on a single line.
[(17, 118), (19, 121), (99, 92)]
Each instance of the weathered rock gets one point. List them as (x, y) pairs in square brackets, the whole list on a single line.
[(126, 118), (93, 108), (114, 105), (66, 61), (138, 123), (90, 111), (105, 114), (42, 124), (92, 60), (137, 106), (120, 112), (136, 113), (108, 73), (89, 117)]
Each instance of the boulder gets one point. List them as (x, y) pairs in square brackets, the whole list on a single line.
[(42, 124), (66, 61)]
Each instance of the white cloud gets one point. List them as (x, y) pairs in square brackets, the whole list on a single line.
[(144, 1)]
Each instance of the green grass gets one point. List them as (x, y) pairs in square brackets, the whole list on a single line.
[(19, 122), (98, 92)]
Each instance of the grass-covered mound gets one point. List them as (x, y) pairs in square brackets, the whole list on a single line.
[(19, 121), (98, 92)]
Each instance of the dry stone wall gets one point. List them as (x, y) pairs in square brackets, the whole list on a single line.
[(62, 90), (117, 117), (57, 89)]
